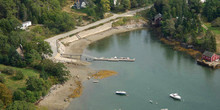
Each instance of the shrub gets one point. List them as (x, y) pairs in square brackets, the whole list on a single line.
[(9, 71), (1, 104), (18, 95), (2, 79), (216, 22), (21, 105), (19, 75)]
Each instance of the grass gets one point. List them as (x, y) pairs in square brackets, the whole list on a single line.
[(216, 30), (15, 84)]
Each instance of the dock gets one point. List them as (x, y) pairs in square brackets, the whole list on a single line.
[(215, 64), (115, 59)]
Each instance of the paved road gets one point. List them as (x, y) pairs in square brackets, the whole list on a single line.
[(52, 40)]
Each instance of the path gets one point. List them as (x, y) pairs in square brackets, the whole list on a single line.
[(52, 40)]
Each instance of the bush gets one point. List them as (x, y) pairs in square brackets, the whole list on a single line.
[(1, 104), (2, 79), (19, 75), (18, 95), (21, 105), (216, 22), (9, 71)]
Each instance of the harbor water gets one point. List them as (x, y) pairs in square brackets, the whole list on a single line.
[(157, 71)]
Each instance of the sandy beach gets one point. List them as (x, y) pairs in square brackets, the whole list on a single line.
[(58, 97)]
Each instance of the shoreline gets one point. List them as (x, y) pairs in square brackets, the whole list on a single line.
[(59, 96)]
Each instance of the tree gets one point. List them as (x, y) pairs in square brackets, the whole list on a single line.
[(105, 5), (18, 95), (36, 84), (216, 22), (19, 75), (21, 105), (126, 4), (33, 57), (5, 95), (168, 27), (2, 79), (1, 104), (134, 3)]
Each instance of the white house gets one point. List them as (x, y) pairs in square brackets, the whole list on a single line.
[(25, 24)]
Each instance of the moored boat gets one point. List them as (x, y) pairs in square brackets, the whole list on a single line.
[(120, 93), (175, 96)]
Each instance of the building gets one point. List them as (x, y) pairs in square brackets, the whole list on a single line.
[(157, 19), (202, 1), (78, 4), (209, 56), (25, 25)]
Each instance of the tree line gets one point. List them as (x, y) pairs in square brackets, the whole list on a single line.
[(97, 8)]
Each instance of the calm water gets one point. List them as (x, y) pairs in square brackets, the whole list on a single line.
[(157, 72)]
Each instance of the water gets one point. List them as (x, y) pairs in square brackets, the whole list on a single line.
[(157, 72)]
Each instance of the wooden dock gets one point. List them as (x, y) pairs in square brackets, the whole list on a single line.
[(215, 64), (115, 59)]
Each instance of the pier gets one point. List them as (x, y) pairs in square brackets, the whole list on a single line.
[(91, 58), (115, 59)]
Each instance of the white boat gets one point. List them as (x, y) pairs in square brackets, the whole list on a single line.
[(175, 96), (120, 93), (95, 81)]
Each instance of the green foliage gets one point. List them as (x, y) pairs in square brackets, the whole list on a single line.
[(18, 95), (209, 42), (216, 22), (180, 21), (21, 105), (1, 104), (211, 9), (35, 84), (105, 5), (5, 95), (30, 97), (57, 70), (9, 71), (19, 75), (2, 79)]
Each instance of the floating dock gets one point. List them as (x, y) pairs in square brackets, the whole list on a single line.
[(114, 59)]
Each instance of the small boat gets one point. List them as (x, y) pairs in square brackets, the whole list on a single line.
[(95, 81), (175, 96), (120, 92)]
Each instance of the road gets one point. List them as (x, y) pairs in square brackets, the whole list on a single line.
[(52, 40)]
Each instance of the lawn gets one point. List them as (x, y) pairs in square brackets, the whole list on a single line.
[(15, 84), (216, 30)]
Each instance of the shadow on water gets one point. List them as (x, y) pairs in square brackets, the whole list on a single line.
[(123, 39), (102, 45)]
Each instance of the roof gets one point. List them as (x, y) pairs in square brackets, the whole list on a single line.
[(26, 22), (207, 53), (158, 16)]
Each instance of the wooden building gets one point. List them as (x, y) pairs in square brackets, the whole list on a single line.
[(209, 56)]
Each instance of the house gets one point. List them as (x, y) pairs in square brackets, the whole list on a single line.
[(202, 1), (209, 56), (80, 4), (25, 25), (157, 18)]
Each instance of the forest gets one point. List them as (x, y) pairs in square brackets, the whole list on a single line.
[(181, 20), (47, 13)]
